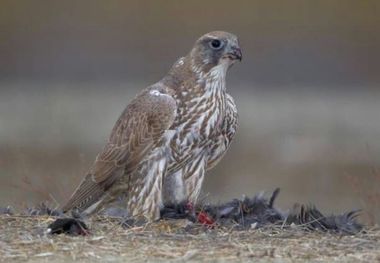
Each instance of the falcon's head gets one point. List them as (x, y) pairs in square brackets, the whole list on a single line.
[(216, 48)]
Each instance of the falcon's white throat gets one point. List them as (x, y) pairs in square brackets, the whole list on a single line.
[(215, 92), (218, 73)]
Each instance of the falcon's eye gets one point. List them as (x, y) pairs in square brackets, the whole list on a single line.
[(216, 44)]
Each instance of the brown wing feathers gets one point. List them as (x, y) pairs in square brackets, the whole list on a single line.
[(138, 129)]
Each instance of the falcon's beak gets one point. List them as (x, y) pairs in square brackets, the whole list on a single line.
[(235, 53)]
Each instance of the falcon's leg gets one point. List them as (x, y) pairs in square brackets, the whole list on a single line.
[(193, 175), (182, 188), (184, 185), (144, 196), (174, 191)]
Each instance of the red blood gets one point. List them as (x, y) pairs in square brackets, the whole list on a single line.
[(204, 219)]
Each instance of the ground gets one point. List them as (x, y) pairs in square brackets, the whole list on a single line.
[(24, 238)]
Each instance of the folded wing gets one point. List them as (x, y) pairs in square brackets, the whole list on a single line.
[(138, 131)]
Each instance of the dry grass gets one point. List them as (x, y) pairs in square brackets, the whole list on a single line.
[(23, 238)]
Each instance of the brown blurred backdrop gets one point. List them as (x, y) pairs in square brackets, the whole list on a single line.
[(307, 92)]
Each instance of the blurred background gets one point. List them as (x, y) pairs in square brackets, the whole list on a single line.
[(307, 90)]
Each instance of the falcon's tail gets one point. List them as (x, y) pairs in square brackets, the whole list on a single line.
[(86, 195)]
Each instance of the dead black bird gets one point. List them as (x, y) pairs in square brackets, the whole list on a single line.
[(259, 211), (70, 226), (311, 218), (242, 213)]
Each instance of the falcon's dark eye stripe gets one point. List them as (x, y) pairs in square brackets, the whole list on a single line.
[(216, 44)]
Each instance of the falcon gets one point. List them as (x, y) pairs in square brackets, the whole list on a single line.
[(168, 136)]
